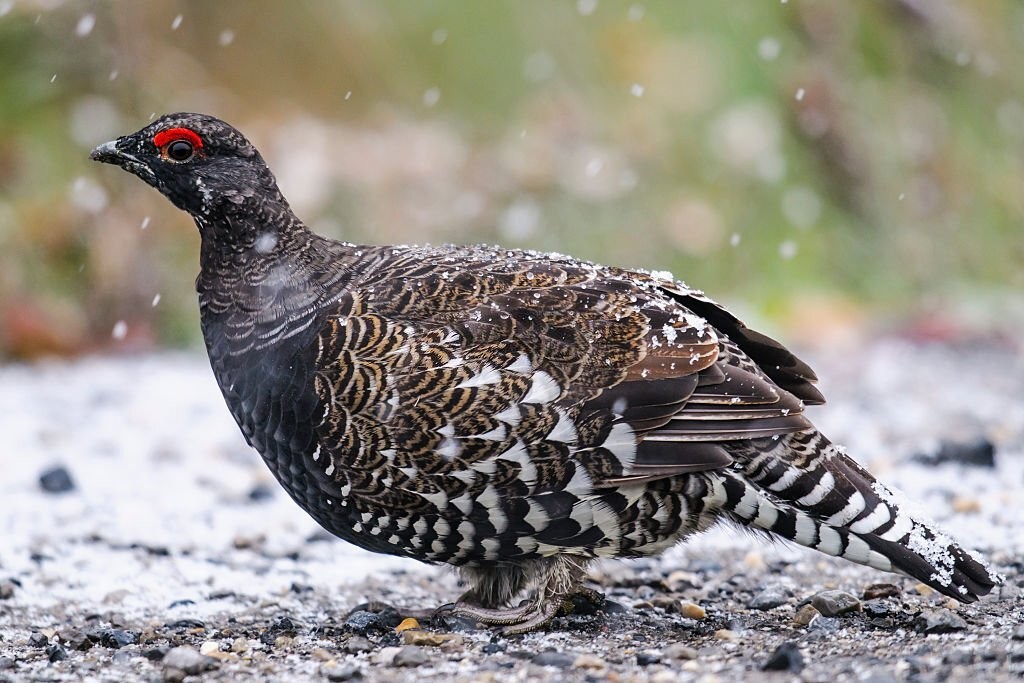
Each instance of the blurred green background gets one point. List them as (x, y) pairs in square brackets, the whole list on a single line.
[(822, 165)]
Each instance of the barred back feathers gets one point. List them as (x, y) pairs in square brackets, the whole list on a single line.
[(512, 413)]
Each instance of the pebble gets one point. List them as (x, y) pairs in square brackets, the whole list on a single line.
[(963, 505), (428, 638), (823, 625), (6, 590), (648, 658), (56, 653), (560, 660), (37, 639), (75, 639), (786, 657), (116, 638), (362, 622), (679, 651), (680, 580), (186, 661), (56, 480), (1018, 632), (806, 615), (209, 647), (6, 663), (769, 598), (590, 662), (880, 590), (334, 672), (156, 654), (410, 655), (407, 624), (260, 493), (876, 609), (958, 657), (939, 621), (239, 645), (692, 611), (834, 603), (978, 453), (725, 634), (357, 644), (666, 603)]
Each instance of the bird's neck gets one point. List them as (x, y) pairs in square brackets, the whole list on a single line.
[(276, 282)]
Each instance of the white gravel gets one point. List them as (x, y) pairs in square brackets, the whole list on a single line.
[(161, 514)]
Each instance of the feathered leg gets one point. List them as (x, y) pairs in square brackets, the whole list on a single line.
[(551, 581)]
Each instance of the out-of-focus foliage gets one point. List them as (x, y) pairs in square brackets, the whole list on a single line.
[(815, 159)]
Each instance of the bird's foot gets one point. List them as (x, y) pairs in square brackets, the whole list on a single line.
[(530, 614)]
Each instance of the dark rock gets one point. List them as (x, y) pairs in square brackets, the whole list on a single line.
[(181, 603), (786, 657), (56, 653), (958, 657), (880, 590), (410, 655), (280, 626), (185, 623), (977, 453), (492, 648), (260, 493), (155, 654), (587, 604), (6, 663), (76, 640), (357, 644), (769, 598), (37, 639), (876, 609), (390, 617), (56, 480), (335, 672), (154, 550), (188, 661), (6, 590), (834, 603), (116, 638), (613, 607), (648, 658), (939, 621), (362, 622), (559, 660)]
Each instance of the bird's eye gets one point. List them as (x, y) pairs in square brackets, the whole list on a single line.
[(180, 150)]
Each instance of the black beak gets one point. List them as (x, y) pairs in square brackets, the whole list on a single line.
[(108, 153)]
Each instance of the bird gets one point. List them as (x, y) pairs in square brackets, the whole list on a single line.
[(515, 414)]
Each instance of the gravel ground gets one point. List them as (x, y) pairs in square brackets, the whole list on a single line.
[(141, 539)]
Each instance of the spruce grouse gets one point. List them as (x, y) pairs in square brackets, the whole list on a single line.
[(512, 413)]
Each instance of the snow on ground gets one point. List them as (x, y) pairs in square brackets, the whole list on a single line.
[(159, 463), (170, 519)]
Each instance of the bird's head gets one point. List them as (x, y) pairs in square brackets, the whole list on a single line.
[(203, 165)]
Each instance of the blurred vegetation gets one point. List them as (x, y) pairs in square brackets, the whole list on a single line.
[(824, 162)]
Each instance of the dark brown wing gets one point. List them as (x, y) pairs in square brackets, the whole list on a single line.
[(506, 388)]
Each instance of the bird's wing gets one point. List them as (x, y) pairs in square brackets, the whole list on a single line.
[(442, 376)]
